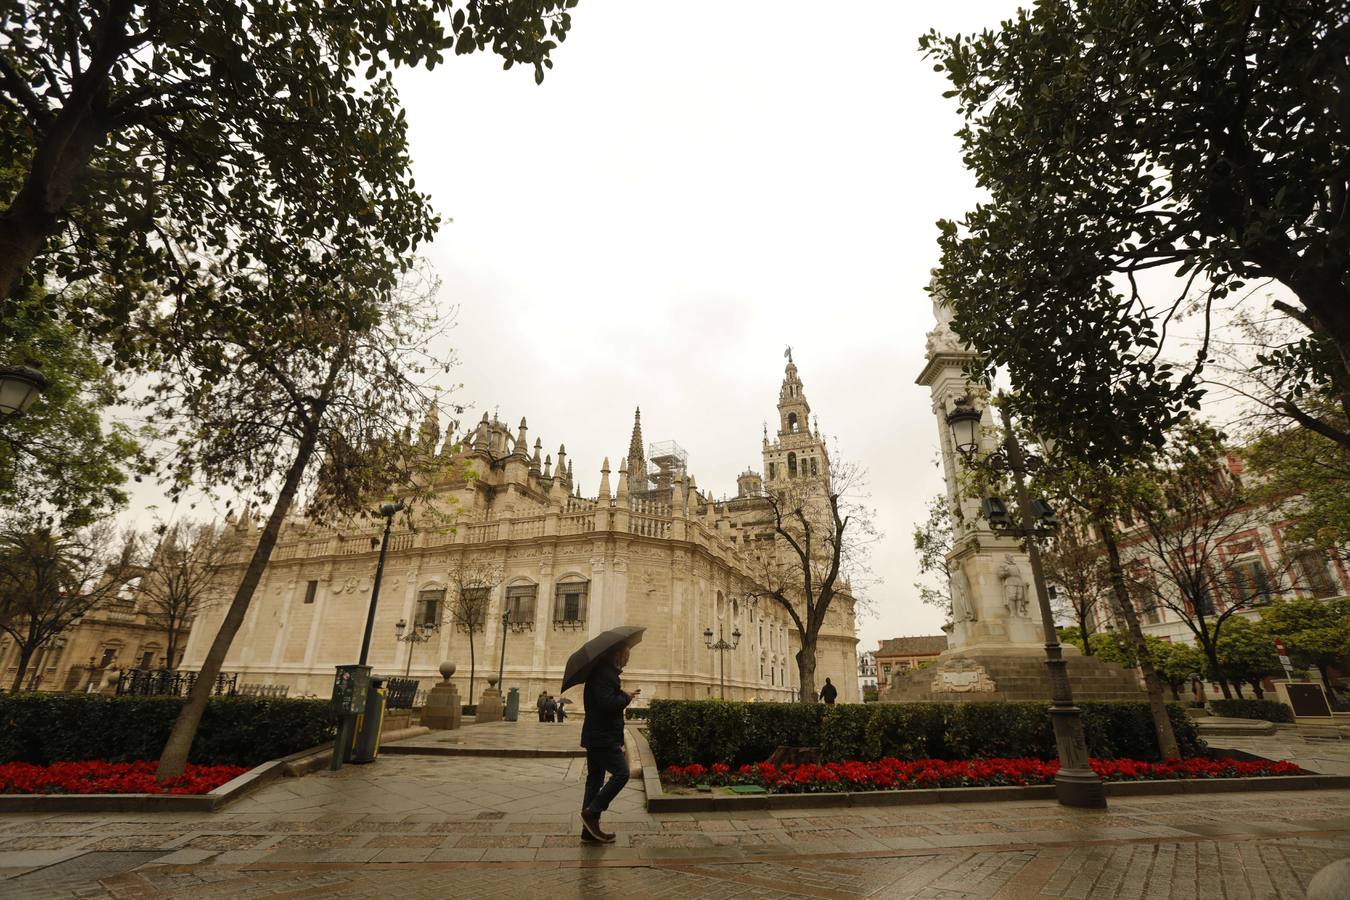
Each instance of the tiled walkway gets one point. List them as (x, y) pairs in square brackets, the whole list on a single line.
[(418, 826)]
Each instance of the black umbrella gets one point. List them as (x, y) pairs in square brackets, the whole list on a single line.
[(579, 664)]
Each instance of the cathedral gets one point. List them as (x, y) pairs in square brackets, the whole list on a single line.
[(650, 548)]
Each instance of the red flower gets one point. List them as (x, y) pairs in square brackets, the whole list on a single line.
[(98, 777)]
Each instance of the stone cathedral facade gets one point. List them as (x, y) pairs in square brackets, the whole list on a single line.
[(650, 548)]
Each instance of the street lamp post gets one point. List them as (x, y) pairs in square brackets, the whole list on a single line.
[(721, 646), (421, 633), (20, 387), (388, 510), (1075, 783), (501, 666)]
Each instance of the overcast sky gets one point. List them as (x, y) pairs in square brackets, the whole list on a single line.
[(692, 189)]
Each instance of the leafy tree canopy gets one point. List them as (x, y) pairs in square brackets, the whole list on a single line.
[(1312, 473), (178, 152), (60, 459), (1119, 136)]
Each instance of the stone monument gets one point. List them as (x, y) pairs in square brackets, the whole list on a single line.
[(443, 709), (490, 707), (995, 642)]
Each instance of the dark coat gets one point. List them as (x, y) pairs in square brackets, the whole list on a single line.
[(604, 703), (828, 693)]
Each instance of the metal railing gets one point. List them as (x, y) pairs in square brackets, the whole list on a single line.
[(170, 683), (400, 693)]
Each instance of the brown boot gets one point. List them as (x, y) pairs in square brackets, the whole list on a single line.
[(590, 823)]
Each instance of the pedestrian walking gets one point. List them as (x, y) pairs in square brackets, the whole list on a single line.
[(539, 704), (602, 736), (829, 692), (550, 708), (562, 710)]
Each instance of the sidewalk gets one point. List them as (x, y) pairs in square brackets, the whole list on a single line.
[(415, 826)]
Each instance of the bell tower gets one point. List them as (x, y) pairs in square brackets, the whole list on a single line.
[(798, 452)]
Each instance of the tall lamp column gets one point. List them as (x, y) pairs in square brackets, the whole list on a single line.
[(721, 646)]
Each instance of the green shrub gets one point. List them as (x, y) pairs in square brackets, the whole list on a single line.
[(246, 731), (1269, 710), (635, 712), (702, 731)]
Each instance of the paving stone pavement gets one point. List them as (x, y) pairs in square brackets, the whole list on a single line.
[(420, 826)]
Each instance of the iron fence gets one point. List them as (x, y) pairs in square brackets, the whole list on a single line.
[(400, 693), (170, 683), (264, 690)]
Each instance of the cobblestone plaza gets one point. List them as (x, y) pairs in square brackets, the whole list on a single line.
[(417, 826)]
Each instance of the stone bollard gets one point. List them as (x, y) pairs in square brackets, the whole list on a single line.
[(490, 707), (1332, 882), (443, 709)]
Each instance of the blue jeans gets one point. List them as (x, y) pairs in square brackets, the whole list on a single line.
[(600, 760)]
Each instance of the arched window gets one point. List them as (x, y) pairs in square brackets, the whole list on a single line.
[(814, 471), (792, 465), (773, 471), (721, 605), (520, 603), (792, 422)]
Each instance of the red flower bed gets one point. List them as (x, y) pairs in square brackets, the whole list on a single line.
[(894, 774), (95, 777)]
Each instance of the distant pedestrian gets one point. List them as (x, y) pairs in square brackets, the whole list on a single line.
[(562, 710), (829, 692), (550, 709), (539, 704), (602, 736)]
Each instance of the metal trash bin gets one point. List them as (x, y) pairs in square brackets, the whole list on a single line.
[(371, 724), (512, 705)]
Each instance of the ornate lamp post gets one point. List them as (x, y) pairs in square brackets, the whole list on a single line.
[(20, 387), (1075, 784), (501, 666), (721, 646), (420, 634), (388, 510)]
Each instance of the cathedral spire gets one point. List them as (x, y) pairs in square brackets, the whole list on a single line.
[(637, 461)]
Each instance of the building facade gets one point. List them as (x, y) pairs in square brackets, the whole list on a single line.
[(650, 548), (897, 655)]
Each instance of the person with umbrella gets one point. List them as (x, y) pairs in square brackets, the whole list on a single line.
[(598, 664)]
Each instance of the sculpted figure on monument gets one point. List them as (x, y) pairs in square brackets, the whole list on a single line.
[(963, 608), (1014, 587)]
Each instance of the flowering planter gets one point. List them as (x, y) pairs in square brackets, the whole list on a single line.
[(661, 800), (82, 798)]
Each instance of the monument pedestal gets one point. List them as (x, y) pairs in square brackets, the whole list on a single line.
[(444, 709), (1009, 672)]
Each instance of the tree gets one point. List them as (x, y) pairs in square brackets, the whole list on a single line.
[(1098, 495), (1316, 632), (1247, 652), (1310, 475), (1189, 505), (1114, 647), (60, 458), (182, 580), (139, 137), (1114, 138), (472, 584), (933, 540), (1073, 564), (1176, 662), (49, 580), (814, 548), (253, 418)]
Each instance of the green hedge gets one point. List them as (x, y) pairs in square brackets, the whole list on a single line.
[(1269, 710), (709, 731), (245, 731)]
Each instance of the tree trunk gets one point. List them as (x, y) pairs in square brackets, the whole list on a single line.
[(1083, 630), (1237, 686), (1157, 704), (1216, 670), (806, 671), (174, 759), (1257, 689), (25, 656)]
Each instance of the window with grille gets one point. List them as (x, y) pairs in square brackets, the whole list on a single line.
[(472, 611), (1248, 581), (429, 607), (311, 588), (1313, 571), (569, 604), (520, 604)]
